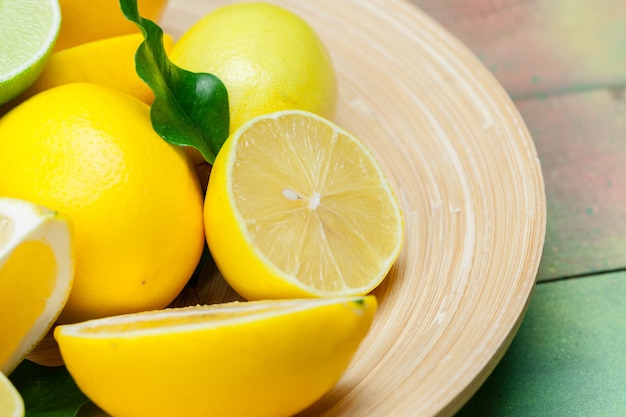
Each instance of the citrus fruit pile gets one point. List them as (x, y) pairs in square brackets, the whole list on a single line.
[(105, 219)]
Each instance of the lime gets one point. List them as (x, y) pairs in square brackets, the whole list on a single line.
[(28, 31), (269, 58)]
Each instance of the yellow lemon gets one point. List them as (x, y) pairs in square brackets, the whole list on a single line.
[(28, 30), (298, 207), (91, 153), (250, 359), (36, 272), (11, 403), (268, 58), (86, 21), (109, 62)]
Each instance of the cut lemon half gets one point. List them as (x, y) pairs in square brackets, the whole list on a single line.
[(11, 403), (298, 207), (36, 273), (28, 31), (252, 359)]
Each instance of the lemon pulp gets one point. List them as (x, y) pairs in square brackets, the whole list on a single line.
[(36, 274), (11, 403), (296, 207)]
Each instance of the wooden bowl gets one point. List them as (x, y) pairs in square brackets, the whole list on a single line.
[(470, 184)]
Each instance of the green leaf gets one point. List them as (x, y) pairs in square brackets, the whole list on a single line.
[(47, 392), (190, 109)]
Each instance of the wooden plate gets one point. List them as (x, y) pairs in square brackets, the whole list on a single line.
[(467, 174)]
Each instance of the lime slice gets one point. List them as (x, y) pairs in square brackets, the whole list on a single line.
[(28, 31)]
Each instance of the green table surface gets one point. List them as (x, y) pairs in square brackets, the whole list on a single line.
[(563, 62)]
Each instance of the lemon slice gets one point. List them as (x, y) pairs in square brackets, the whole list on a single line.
[(11, 403), (28, 31), (298, 207), (252, 359), (36, 272)]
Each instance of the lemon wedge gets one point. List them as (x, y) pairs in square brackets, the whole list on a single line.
[(297, 207), (252, 359), (11, 403), (36, 273)]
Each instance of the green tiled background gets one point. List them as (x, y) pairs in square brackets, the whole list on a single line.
[(569, 356)]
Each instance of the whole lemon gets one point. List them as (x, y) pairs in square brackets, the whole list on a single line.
[(86, 21), (91, 153), (268, 58), (109, 62)]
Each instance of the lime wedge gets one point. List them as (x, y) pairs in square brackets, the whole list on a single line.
[(28, 31)]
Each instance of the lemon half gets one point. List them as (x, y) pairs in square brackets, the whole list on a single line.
[(252, 359), (298, 207)]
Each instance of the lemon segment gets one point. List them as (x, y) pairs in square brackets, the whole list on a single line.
[(11, 403), (36, 273), (28, 31), (253, 359), (297, 207)]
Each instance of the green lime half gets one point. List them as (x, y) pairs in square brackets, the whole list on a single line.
[(28, 31)]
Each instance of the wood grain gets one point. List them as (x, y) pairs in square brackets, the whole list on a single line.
[(466, 171), (564, 65)]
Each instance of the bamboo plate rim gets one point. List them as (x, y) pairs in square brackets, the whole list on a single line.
[(470, 184)]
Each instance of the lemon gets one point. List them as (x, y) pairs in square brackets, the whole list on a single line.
[(86, 21), (298, 207), (36, 272), (252, 359), (91, 153), (11, 403), (268, 58), (109, 62), (28, 30)]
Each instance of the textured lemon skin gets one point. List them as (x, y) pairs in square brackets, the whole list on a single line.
[(270, 367), (268, 58), (86, 21), (90, 152), (108, 62)]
